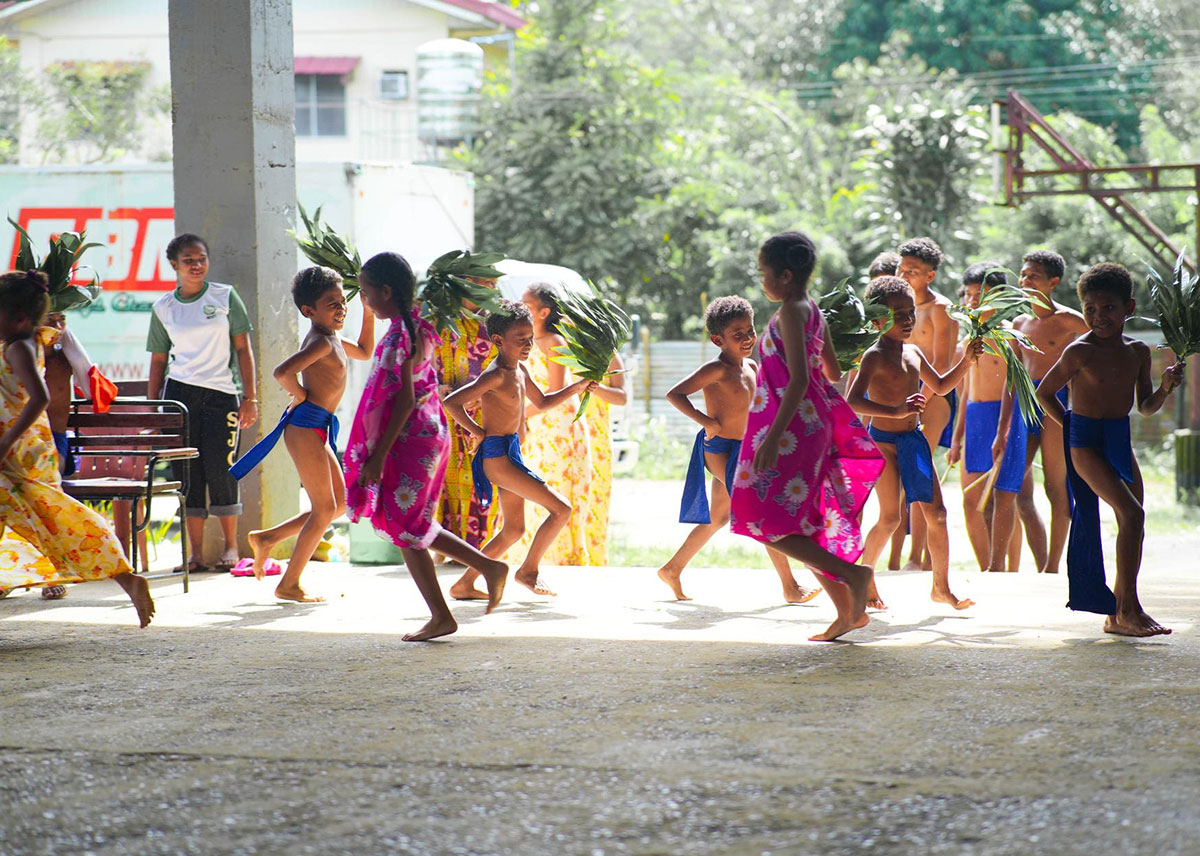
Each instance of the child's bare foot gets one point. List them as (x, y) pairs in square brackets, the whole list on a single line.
[(792, 594), (495, 576), (840, 628), (670, 576), (1134, 624), (261, 548), (139, 592), (860, 584), (532, 580), (874, 601), (297, 594), (466, 591), (434, 628), (912, 565), (946, 596)]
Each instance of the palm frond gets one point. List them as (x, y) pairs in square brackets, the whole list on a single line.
[(850, 323), (595, 330), (322, 246), (447, 288), (61, 266), (1177, 304)]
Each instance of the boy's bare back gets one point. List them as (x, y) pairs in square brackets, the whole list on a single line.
[(892, 375)]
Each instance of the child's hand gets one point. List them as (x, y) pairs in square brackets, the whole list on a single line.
[(974, 350), (954, 455), (767, 455), (1172, 377), (915, 403), (712, 427), (371, 471), (590, 385)]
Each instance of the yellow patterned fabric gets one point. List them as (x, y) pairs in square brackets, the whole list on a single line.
[(600, 485), (461, 358), (46, 537), (558, 449)]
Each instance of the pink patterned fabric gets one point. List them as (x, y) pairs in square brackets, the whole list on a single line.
[(401, 507), (827, 465)]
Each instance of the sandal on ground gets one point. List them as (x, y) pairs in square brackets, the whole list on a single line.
[(245, 568), (228, 559), (194, 567), (54, 592)]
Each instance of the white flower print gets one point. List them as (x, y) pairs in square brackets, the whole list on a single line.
[(759, 436), (759, 402), (794, 494), (743, 475), (768, 345), (833, 524), (787, 443), (755, 529), (405, 494)]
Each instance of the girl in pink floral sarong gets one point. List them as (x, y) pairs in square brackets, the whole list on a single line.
[(807, 464), (396, 454)]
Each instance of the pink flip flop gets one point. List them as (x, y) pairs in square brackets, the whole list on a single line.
[(245, 568)]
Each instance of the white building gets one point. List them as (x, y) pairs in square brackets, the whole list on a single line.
[(356, 64)]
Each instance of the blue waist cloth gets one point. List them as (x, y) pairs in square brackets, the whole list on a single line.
[(1061, 395), (948, 432), (1088, 591), (694, 507), (303, 415), (497, 446), (982, 421), (62, 444), (913, 458)]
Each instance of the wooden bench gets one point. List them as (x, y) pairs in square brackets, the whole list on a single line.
[(118, 453)]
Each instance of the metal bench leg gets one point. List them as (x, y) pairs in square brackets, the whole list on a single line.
[(183, 540)]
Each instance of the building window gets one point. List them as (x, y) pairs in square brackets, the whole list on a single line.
[(393, 85), (320, 105)]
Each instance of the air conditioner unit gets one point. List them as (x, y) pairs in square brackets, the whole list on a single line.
[(393, 85)]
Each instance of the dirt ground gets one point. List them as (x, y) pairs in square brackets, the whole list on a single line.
[(610, 720)]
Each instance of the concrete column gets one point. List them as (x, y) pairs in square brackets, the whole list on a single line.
[(232, 102)]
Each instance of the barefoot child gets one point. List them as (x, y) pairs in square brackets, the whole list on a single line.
[(1108, 372), (809, 465), (501, 391), (398, 447), (48, 538), (936, 334), (728, 384), (989, 433), (1051, 328), (308, 426), (885, 389)]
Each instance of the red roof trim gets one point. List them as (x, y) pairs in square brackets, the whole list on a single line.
[(7, 3), (495, 12), (340, 65)]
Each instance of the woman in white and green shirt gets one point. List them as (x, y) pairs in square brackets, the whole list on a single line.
[(196, 333)]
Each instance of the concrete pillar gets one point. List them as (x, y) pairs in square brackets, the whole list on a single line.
[(232, 102)]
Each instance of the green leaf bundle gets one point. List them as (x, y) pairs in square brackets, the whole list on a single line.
[(322, 246), (60, 265), (1005, 302), (446, 289), (849, 321), (1178, 306), (595, 330)]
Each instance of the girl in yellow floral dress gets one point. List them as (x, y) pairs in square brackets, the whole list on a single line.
[(46, 538), (599, 423)]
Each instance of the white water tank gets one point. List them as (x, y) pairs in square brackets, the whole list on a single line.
[(449, 79)]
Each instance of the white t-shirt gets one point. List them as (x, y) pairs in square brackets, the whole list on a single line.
[(198, 334)]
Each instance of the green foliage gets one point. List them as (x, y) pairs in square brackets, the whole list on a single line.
[(61, 266), (850, 323), (595, 330), (447, 292), (322, 246), (1178, 306), (94, 112), (14, 89)]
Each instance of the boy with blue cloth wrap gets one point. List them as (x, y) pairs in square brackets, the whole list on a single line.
[(502, 390), (1107, 372), (729, 385), (886, 389), (315, 377)]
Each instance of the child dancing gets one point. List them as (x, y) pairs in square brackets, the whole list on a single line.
[(308, 427), (501, 391), (885, 389), (46, 537), (398, 446), (1108, 372), (729, 387), (809, 465)]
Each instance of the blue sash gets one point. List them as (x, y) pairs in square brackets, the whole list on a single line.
[(303, 415), (1061, 395), (947, 437), (981, 424), (497, 446), (694, 507), (1088, 590), (914, 460), (62, 445)]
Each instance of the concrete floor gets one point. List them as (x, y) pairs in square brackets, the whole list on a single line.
[(610, 720)]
